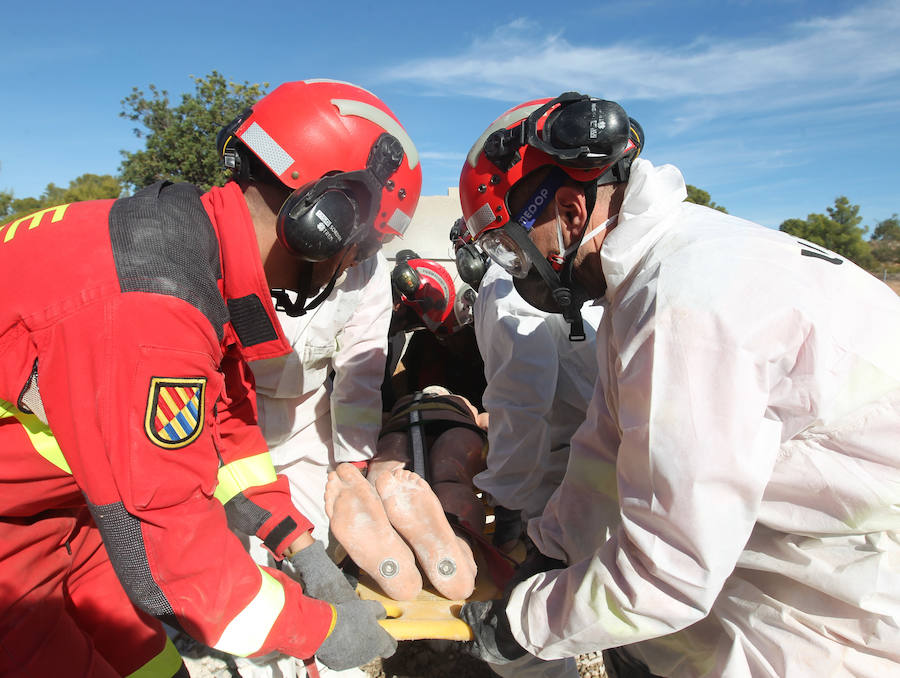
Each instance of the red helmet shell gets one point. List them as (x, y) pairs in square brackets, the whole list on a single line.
[(434, 300), (483, 187), (304, 130)]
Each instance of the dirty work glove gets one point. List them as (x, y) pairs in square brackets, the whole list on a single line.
[(357, 637), (494, 642), (320, 577)]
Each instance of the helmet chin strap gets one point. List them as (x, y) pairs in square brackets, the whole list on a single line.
[(299, 307), (568, 300), (557, 271)]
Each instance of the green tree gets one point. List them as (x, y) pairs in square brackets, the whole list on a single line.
[(885, 240), (839, 231), (85, 187), (700, 197), (6, 199), (887, 229), (180, 140), (93, 187)]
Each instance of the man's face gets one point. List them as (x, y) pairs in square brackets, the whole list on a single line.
[(543, 234)]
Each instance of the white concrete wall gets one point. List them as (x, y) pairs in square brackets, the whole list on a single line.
[(429, 233)]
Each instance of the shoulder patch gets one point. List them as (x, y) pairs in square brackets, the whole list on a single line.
[(175, 410)]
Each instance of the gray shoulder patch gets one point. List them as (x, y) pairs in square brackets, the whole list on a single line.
[(163, 243)]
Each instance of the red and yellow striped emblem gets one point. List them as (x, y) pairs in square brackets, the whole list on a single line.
[(175, 410)]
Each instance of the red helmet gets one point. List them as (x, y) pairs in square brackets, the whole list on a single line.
[(585, 137), (304, 131), (426, 287)]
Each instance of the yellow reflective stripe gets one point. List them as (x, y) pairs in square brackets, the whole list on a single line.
[(39, 434), (333, 619), (164, 665), (35, 219), (239, 475), (248, 630)]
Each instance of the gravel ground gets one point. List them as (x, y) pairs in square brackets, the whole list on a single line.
[(442, 659), (414, 659)]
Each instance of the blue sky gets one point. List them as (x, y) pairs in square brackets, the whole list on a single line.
[(774, 108)]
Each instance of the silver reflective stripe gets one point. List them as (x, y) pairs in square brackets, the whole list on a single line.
[(384, 121), (480, 219), (248, 630), (399, 221), (267, 149)]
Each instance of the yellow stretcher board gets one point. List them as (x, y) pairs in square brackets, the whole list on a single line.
[(429, 615)]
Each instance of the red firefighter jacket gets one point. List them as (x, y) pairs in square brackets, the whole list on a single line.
[(125, 332)]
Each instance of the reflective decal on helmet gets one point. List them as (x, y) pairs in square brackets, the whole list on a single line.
[(399, 221), (266, 148), (480, 220)]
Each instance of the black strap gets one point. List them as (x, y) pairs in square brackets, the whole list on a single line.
[(277, 535), (565, 297), (297, 308), (418, 447)]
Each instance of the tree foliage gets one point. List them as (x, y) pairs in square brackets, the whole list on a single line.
[(700, 197), (885, 240), (85, 187), (838, 231), (180, 139)]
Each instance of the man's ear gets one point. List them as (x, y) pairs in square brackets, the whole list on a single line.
[(572, 206)]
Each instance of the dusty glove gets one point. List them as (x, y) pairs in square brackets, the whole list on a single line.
[(357, 637), (320, 577), (494, 641)]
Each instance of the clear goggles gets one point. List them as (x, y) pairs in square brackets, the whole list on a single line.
[(499, 243), (506, 252), (509, 244)]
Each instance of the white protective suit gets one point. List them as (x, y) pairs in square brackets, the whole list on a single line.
[(743, 444), (539, 385), (311, 421)]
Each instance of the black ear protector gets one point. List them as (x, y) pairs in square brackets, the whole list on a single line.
[(471, 261), (471, 264), (314, 225), (581, 132), (405, 280), (319, 219), (232, 152), (405, 255)]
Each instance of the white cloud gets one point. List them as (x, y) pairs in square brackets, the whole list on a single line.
[(809, 63)]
